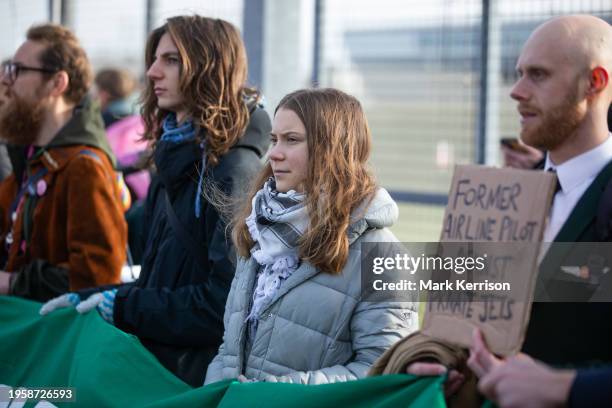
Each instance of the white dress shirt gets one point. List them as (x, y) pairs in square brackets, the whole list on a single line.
[(575, 176)]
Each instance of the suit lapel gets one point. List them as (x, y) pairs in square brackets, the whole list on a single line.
[(576, 228), (583, 215)]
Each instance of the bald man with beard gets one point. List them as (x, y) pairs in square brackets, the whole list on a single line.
[(563, 94)]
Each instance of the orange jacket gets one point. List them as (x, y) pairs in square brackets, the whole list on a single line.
[(77, 220)]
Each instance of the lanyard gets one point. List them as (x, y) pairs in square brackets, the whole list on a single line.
[(28, 186)]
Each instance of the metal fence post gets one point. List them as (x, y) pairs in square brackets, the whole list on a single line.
[(252, 32)]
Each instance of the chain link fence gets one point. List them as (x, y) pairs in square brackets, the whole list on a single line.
[(434, 77)]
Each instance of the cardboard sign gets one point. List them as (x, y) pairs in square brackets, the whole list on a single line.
[(497, 216)]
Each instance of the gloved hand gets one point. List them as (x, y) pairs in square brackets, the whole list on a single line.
[(102, 301), (66, 300)]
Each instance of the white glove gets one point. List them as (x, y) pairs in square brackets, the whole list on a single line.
[(89, 303), (66, 300), (102, 301)]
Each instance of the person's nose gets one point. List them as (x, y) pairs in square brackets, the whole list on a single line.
[(520, 90), (277, 152), (155, 73)]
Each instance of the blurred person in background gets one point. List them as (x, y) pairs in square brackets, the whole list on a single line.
[(124, 127), (115, 89), (208, 134), (61, 217)]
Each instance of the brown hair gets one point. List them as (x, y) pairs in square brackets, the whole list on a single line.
[(63, 52), (118, 83), (212, 81), (338, 178)]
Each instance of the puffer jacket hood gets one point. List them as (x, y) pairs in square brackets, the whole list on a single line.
[(380, 212)]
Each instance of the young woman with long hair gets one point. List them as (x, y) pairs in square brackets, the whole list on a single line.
[(295, 311), (207, 132)]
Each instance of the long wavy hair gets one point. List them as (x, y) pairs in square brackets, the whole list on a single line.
[(338, 179), (213, 74)]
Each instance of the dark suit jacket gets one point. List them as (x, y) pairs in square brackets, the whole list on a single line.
[(592, 389), (573, 333)]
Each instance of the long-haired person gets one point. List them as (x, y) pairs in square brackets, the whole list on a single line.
[(295, 313), (206, 130)]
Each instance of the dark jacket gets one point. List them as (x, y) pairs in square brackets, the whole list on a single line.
[(574, 333), (69, 231), (176, 306), (592, 388)]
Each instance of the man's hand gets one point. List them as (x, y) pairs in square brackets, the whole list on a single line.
[(523, 382), (481, 360), (5, 282), (525, 158), (453, 382), (518, 381)]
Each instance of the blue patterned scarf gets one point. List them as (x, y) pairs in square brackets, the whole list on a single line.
[(173, 133)]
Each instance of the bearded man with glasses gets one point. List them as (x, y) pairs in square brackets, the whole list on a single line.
[(61, 218)]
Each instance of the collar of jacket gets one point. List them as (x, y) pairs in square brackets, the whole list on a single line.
[(586, 208), (177, 162), (85, 127), (55, 159)]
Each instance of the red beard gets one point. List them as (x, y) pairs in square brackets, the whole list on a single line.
[(557, 126), (20, 121)]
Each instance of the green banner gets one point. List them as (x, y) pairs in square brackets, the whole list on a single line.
[(109, 368)]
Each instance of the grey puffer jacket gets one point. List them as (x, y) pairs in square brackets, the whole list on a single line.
[(316, 329)]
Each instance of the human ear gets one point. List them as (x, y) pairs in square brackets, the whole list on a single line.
[(598, 80), (59, 83)]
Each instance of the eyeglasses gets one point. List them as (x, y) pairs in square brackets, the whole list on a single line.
[(12, 69)]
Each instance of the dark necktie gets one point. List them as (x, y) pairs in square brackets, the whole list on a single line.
[(558, 184)]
